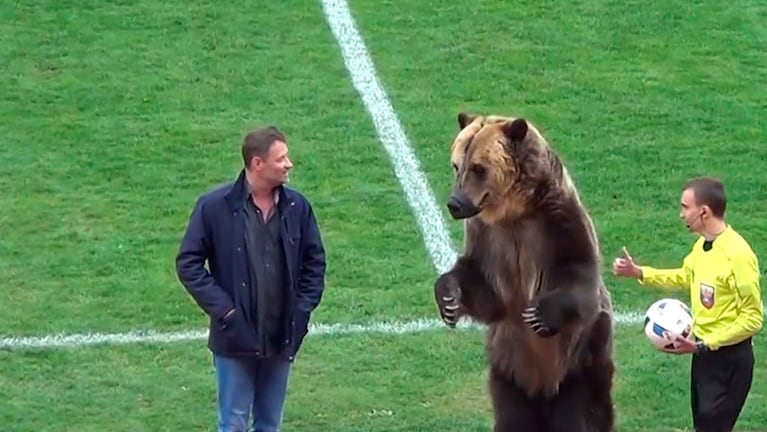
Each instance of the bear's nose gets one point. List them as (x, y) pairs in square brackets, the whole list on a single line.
[(454, 206)]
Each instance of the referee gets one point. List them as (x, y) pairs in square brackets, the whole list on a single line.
[(722, 273)]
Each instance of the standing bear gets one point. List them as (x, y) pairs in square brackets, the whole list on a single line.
[(531, 272)]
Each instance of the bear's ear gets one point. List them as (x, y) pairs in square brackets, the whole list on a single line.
[(515, 130), (464, 119)]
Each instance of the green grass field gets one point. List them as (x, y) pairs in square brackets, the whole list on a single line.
[(115, 116)]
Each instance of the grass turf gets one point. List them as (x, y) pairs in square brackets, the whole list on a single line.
[(115, 116)]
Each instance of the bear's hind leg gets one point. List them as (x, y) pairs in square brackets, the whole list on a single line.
[(599, 374), (513, 410), (578, 407)]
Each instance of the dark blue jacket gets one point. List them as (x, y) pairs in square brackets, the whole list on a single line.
[(216, 234)]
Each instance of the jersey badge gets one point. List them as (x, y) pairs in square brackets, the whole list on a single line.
[(707, 295)]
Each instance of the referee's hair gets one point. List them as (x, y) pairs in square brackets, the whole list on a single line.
[(708, 191)]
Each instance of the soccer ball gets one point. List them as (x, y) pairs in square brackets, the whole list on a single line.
[(665, 321)]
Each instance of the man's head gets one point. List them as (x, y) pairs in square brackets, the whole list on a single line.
[(703, 202), (265, 156)]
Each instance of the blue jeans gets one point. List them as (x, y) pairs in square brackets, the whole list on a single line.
[(250, 387)]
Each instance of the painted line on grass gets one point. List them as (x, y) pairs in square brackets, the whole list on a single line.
[(407, 168), (152, 336)]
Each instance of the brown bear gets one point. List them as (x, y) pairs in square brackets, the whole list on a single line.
[(531, 272)]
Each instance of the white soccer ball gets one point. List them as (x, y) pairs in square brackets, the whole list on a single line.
[(665, 321)]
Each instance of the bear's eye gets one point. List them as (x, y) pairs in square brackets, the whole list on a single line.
[(455, 167), (478, 171)]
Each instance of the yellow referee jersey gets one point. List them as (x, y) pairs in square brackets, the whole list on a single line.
[(724, 289)]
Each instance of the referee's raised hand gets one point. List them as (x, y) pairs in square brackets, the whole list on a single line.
[(624, 266)]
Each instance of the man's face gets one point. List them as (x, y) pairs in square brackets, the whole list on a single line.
[(275, 167), (691, 213)]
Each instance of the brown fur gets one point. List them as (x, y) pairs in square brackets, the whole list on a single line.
[(532, 244)]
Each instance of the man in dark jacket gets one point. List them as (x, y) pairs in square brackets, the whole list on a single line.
[(266, 275)]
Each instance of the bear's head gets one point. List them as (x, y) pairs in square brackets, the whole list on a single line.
[(503, 168), (469, 125)]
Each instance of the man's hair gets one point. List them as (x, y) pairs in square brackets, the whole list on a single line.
[(258, 143), (710, 192)]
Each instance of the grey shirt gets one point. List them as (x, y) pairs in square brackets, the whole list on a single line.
[(268, 273)]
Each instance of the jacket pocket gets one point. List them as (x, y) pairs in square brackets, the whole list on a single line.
[(239, 336)]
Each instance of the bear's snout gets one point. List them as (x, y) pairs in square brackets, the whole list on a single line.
[(460, 206)]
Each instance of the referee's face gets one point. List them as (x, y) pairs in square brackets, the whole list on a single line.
[(691, 213)]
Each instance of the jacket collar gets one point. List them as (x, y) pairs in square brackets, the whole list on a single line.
[(239, 192)]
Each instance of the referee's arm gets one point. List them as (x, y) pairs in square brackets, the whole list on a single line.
[(668, 279), (750, 319)]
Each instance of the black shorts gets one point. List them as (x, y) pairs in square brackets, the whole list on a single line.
[(719, 384)]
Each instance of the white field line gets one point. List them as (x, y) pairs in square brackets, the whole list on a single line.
[(391, 134), (154, 337)]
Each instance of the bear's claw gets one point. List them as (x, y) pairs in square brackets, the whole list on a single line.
[(450, 310), (531, 316), (447, 294)]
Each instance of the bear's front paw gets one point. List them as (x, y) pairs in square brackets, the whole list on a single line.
[(447, 294), (543, 318)]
